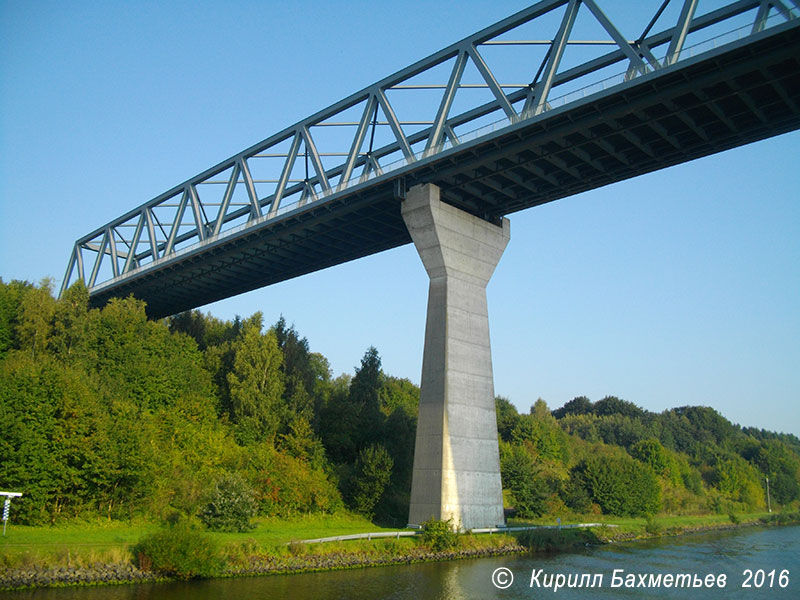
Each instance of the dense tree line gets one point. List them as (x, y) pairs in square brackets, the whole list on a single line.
[(108, 413), (612, 456)]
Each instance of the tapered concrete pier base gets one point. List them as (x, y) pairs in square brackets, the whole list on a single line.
[(456, 458)]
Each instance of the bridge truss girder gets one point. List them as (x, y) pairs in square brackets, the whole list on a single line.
[(340, 200)]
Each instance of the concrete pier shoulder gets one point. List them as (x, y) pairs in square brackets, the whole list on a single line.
[(456, 458)]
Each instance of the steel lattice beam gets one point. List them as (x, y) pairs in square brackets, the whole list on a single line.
[(633, 123)]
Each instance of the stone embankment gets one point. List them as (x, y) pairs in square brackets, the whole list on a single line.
[(346, 560), (39, 576), (300, 560)]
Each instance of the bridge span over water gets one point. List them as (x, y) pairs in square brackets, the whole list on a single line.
[(327, 190), (524, 112)]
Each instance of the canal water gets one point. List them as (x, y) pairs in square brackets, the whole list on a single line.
[(756, 563)]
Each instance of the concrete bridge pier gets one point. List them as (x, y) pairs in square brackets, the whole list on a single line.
[(456, 457)]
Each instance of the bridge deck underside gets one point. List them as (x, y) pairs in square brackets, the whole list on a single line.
[(708, 105)]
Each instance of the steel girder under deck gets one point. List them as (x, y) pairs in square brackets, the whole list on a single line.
[(685, 109), (722, 101), (327, 234)]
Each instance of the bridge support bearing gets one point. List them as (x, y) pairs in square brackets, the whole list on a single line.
[(456, 458)]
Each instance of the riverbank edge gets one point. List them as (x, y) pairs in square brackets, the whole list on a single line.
[(120, 574), (126, 573)]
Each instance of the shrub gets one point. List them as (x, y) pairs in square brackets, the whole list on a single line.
[(575, 495), (373, 470), (521, 476), (782, 518), (286, 485), (651, 453), (231, 505), (652, 526), (439, 535), (297, 548), (785, 488), (621, 486), (180, 552)]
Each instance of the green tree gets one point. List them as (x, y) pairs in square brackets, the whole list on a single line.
[(540, 410), (400, 403), (611, 405), (71, 339), (737, 479), (373, 469), (520, 475), (286, 485), (45, 438), (507, 417), (621, 430), (577, 406), (620, 485), (399, 440), (299, 370), (221, 342), (396, 393), (338, 422), (256, 387), (651, 453), (365, 390), (544, 434), (11, 295), (35, 321), (301, 442), (784, 488), (140, 361), (231, 505), (775, 459), (583, 426), (353, 418), (700, 427)]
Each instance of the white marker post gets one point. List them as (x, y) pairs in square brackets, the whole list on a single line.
[(769, 506), (7, 506)]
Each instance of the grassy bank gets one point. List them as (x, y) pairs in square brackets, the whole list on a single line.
[(81, 553), (102, 551), (618, 529), (641, 527), (84, 543)]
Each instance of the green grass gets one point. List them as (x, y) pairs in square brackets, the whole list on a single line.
[(71, 544), (98, 533), (636, 526), (275, 531), (83, 543)]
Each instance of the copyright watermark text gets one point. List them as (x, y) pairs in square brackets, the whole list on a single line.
[(503, 578)]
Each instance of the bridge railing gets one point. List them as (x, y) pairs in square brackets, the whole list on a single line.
[(447, 101)]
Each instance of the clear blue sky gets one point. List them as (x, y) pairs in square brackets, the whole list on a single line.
[(679, 287)]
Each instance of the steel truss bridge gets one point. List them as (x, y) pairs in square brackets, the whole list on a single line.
[(521, 113)]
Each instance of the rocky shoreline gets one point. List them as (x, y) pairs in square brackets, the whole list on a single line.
[(348, 560), (100, 574), (97, 574)]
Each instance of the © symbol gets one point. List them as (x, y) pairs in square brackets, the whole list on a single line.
[(502, 578)]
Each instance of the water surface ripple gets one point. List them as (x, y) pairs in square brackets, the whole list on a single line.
[(728, 552)]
